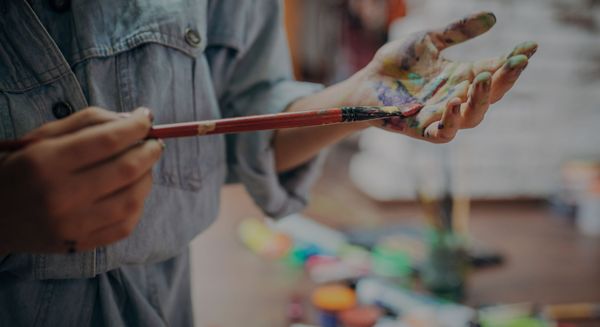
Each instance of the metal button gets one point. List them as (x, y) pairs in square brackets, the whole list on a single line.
[(62, 110), (60, 5), (192, 37)]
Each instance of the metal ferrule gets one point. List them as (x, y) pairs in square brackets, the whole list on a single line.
[(350, 114)]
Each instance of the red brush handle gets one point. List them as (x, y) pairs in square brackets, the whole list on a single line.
[(221, 126), (249, 123)]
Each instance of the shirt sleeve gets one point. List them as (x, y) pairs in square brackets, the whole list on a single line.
[(262, 83)]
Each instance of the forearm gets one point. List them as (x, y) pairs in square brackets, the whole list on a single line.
[(295, 146)]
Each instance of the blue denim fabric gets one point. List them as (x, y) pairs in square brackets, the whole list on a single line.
[(121, 54)]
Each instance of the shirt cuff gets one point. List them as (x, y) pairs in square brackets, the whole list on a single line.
[(252, 160)]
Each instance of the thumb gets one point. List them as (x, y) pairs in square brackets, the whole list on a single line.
[(463, 30)]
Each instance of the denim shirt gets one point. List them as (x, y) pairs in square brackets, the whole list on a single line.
[(186, 60)]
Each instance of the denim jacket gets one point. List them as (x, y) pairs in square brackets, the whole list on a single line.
[(186, 60)]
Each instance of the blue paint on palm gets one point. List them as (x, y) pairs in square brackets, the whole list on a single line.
[(393, 97)]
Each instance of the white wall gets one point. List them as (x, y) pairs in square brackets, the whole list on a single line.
[(552, 114)]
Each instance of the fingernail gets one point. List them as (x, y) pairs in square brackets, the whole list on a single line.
[(124, 115), (517, 61), (533, 51), (149, 114), (162, 143), (489, 19), (484, 76)]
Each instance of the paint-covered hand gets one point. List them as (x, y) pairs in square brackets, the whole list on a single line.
[(456, 95)]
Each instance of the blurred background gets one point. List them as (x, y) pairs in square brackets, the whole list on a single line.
[(501, 227)]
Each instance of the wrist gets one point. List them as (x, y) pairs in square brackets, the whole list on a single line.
[(354, 92), (359, 89)]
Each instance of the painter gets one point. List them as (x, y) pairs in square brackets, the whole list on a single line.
[(97, 217)]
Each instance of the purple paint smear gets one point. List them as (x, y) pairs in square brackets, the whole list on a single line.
[(389, 97)]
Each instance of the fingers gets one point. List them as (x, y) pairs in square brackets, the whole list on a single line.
[(431, 113), (463, 30), (504, 79), (479, 101), (101, 142), (112, 175), (459, 90), (444, 130), (85, 118), (115, 217), (493, 64)]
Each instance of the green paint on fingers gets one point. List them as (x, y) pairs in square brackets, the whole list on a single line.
[(488, 20), (517, 61), (527, 48), (483, 77)]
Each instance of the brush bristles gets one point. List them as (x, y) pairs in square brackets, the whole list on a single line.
[(350, 114)]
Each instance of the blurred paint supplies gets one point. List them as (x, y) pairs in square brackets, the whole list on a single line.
[(581, 191)]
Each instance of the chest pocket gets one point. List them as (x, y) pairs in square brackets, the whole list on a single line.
[(151, 52), (177, 87)]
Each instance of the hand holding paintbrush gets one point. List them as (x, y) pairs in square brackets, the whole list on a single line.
[(264, 122), (81, 185)]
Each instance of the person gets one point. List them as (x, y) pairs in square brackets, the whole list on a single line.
[(96, 219)]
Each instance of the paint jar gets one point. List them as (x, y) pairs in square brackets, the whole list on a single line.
[(445, 270), (330, 300)]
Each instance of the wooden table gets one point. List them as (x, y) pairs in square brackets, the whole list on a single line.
[(547, 261)]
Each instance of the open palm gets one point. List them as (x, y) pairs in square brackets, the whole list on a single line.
[(455, 94)]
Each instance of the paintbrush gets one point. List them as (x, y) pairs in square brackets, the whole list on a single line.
[(282, 120)]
